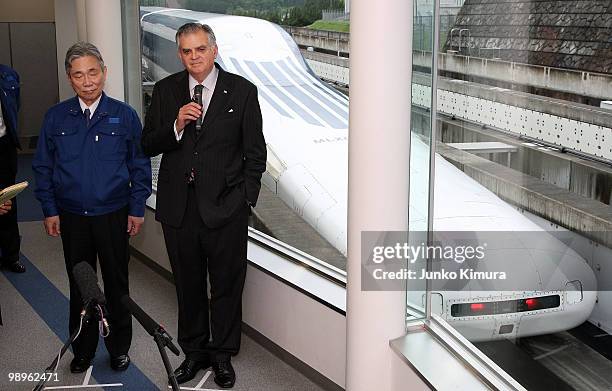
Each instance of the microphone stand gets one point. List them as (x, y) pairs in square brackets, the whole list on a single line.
[(163, 340), (161, 337), (85, 314)]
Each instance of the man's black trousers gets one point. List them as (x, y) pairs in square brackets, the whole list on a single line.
[(196, 251), (9, 231), (84, 238)]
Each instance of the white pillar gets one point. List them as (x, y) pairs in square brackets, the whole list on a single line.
[(379, 140), (81, 20), (65, 33), (104, 30)]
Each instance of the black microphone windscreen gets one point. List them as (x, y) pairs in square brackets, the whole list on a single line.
[(87, 282), (145, 320)]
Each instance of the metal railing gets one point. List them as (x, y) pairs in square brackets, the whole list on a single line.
[(334, 15)]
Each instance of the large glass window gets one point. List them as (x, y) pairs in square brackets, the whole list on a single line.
[(420, 150), (523, 152), (303, 199)]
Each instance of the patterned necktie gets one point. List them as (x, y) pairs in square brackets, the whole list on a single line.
[(87, 115)]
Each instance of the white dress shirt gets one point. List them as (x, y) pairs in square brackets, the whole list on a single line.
[(92, 108)]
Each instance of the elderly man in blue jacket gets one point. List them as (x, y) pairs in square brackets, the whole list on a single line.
[(9, 143), (92, 181)]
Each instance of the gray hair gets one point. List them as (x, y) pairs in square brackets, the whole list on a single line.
[(191, 28), (82, 49)]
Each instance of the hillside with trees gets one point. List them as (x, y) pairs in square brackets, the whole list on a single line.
[(285, 12)]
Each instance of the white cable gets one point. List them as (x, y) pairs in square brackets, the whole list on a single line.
[(103, 324)]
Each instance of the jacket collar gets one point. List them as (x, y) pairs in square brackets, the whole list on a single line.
[(101, 110)]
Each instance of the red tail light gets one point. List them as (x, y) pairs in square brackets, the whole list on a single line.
[(531, 303)]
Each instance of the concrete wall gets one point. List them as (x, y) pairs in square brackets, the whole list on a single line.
[(330, 40), (27, 11), (591, 84), (307, 329), (570, 81)]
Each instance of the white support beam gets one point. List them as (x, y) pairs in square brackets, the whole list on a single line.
[(103, 23), (379, 141)]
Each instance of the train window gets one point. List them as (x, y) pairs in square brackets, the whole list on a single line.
[(505, 306), (303, 199)]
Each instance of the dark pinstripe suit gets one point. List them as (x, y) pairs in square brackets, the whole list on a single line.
[(205, 225)]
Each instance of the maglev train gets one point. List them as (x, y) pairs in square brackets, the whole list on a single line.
[(306, 130)]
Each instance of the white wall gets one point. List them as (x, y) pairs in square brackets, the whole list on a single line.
[(65, 36)]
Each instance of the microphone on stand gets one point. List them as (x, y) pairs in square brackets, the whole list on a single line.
[(197, 97), (161, 337), (87, 283), (93, 300), (150, 326)]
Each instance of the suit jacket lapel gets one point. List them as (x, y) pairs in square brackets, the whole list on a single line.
[(220, 97)]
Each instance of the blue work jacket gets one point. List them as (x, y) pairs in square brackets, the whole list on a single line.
[(91, 170), (9, 99)]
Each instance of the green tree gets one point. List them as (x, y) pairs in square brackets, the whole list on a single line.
[(289, 12)]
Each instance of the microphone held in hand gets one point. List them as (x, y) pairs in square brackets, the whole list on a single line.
[(197, 97)]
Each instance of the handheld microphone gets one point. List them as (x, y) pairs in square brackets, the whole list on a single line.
[(150, 326), (197, 97)]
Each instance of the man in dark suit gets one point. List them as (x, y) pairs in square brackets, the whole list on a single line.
[(9, 142), (208, 181)]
